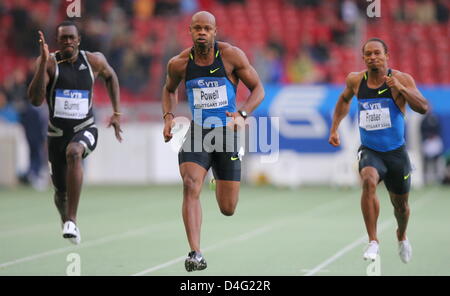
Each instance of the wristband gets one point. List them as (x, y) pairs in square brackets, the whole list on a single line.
[(167, 113)]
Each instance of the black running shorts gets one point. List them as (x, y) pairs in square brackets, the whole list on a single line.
[(393, 167), (218, 148), (57, 153)]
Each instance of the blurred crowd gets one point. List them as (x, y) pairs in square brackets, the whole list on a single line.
[(16, 110), (287, 41), (301, 41)]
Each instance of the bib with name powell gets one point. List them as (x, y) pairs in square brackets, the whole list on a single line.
[(71, 104), (209, 91), (210, 97)]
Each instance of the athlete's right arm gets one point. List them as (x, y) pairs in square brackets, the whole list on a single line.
[(169, 94), (37, 87), (341, 109)]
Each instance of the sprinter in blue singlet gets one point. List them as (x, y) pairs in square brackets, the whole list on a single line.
[(382, 97), (211, 71)]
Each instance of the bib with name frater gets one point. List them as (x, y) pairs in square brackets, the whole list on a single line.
[(209, 93), (71, 103), (374, 114)]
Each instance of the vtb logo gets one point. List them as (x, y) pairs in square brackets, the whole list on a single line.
[(203, 83), (374, 8), (74, 8)]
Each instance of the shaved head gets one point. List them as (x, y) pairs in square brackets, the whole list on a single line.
[(203, 31), (204, 16)]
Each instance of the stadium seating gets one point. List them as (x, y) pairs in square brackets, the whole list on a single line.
[(419, 49)]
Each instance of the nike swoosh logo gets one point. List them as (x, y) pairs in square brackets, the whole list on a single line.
[(407, 176), (212, 71), (382, 91), (234, 158)]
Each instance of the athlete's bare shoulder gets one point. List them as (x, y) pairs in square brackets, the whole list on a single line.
[(229, 51), (94, 54), (177, 64), (224, 46), (233, 57), (356, 76), (96, 59), (353, 78), (402, 76)]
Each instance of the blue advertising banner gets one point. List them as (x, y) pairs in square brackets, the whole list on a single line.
[(305, 114)]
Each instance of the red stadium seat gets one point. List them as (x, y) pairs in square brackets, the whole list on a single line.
[(421, 50)]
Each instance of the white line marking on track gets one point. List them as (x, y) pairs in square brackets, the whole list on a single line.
[(248, 235), (417, 204), (99, 241), (143, 230), (242, 237)]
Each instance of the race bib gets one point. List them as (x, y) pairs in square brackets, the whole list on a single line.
[(210, 97), (71, 104), (375, 119)]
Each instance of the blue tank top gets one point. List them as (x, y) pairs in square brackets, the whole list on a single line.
[(381, 122), (209, 91)]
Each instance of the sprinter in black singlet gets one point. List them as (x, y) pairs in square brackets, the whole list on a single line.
[(65, 79)]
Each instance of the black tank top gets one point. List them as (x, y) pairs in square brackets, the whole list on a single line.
[(69, 96), (364, 92)]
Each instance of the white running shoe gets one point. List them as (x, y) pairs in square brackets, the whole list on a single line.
[(371, 251), (71, 231), (405, 250)]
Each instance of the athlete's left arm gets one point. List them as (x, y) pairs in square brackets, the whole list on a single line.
[(105, 71), (406, 87), (248, 75)]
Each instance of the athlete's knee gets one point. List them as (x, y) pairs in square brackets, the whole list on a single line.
[(401, 207), (228, 210), (228, 207), (191, 185), (369, 182), (402, 210), (74, 153)]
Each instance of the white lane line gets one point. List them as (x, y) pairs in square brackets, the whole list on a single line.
[(417, 204), (242, 237), (248, 235), (347, 249), (322, 270), (139, 232), (91, 243)]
